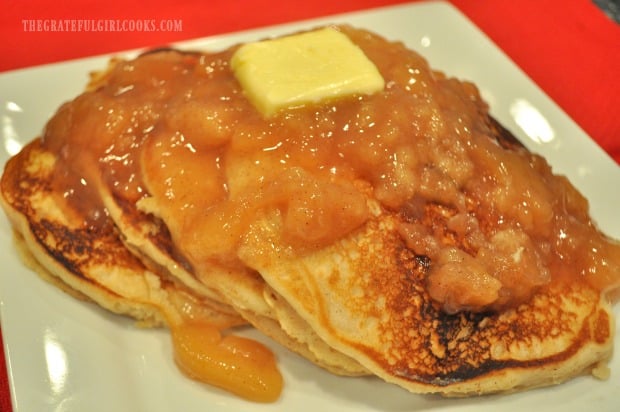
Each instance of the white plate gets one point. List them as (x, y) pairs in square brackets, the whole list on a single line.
[(64, 355)]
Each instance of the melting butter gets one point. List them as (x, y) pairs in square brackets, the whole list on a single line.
[(303, 68)]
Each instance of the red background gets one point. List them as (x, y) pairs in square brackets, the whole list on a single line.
[(571, 49)]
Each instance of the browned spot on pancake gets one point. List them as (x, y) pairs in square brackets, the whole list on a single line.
[(601, 330), (77, 249), (88, 257), (427, 345), (503, 136), (26, 182)]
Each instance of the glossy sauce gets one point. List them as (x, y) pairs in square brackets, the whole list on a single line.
[(239, 365), (178, 128)]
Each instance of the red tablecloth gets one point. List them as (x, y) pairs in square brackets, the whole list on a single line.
[(569, 48)]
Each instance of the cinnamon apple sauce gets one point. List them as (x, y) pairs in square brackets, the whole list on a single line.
[(177, 126), (493, 220), (236, 364)]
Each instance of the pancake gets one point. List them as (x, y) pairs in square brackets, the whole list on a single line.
[(90, 262), (240, 287), (403, 233), (384, 318), (146, 234)]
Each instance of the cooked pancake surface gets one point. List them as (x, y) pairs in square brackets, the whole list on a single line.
[(366, 297)]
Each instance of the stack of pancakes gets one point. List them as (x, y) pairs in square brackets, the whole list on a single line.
[(358, 305)]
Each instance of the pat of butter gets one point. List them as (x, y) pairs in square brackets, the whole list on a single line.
[(303, 68)]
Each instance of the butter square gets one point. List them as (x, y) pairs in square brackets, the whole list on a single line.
[(303, 68)]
